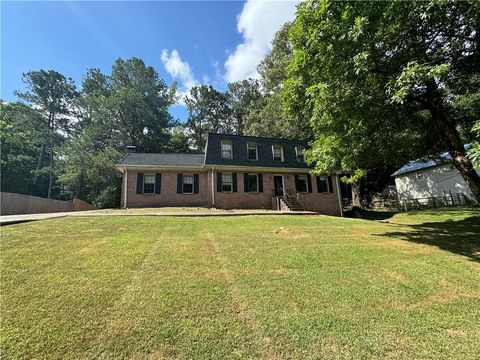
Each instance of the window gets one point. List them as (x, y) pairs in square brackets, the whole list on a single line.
[(322, 184), (187, 186), (227, 152), (300, 155), (302, 185), (252, 182), (226, 182), (252, 152), (277, 151), (149, 184)]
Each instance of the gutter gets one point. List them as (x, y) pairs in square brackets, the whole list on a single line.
[(213, 186), (125, 192), (339, 196)]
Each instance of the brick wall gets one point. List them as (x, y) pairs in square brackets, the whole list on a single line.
[(168, 195), (325, 203)]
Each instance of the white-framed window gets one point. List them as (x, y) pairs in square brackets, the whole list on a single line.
[(420, 176), (226, 182), (302, 185), (277, 151), (187, 184), (148, 183), (252, 182), (323, 184), (227, 150), (252, 151), (299, 150)]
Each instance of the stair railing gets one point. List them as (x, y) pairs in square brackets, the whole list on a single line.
[(290, 197)]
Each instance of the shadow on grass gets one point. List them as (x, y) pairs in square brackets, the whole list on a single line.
[(460, 237), (369, 214)]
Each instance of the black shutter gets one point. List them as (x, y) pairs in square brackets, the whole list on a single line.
[(330, 184), (219, 182), (195, 183), (245, 182), (234, 182), (309, 181), (139, 183), (260, 183), (296, 183), (179, 183), (317, 179), (158, 183)]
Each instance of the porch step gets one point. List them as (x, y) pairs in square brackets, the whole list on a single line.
[(293, 205)]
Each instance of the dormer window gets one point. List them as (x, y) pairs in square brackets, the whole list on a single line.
[(300, 153), (252, 152), (227, 150), (277, 151)]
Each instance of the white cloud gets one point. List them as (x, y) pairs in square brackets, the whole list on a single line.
[(179, 70), (258, 22)]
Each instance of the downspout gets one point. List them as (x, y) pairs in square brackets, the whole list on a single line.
[(213, 186), (339, 196), (125, 192)]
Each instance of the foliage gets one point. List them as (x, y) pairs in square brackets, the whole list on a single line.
[(384, 82), (474, 152), (208, 111), (267, 117), (242, 97), (51, 95), (22, 133)]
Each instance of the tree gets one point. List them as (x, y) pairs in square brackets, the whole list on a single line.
[(242, 96), (50, 94), (22, 133), (208, 111), (127, 107), (383, 81), (267, 117)]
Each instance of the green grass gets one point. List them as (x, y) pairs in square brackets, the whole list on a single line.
[(270, 287), (146, 211)]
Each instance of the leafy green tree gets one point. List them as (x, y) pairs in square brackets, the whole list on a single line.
[(208, 111), (474, 152), (51, 95), (267, 117), (179, 140), (22, 133), (380, 81), (127, 107), (242, 96)]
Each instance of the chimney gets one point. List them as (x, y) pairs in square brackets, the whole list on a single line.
[(131, 148)]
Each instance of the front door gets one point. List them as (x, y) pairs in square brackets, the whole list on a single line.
[(278, 183)]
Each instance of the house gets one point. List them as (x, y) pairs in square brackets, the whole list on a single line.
[(235, 172), (431, 177)]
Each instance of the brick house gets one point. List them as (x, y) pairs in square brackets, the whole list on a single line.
[(236, 172)]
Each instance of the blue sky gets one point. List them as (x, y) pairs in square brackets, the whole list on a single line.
[(191, 42)]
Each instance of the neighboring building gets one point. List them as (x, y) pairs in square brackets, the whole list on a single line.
[(235, 172), (431, 177)]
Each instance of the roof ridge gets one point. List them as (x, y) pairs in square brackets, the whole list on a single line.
[(259, 137)]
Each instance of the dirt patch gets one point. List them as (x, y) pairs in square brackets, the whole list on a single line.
[(397, 277)]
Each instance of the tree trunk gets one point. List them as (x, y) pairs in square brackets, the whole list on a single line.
[(356, 201), (452, 138), (50, 181), (39, 166)]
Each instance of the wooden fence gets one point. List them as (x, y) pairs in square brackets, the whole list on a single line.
[(14, 204)]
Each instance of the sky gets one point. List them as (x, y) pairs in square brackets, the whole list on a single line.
[(191, 42)]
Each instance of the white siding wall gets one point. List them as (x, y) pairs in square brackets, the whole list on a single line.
[(432, 182)]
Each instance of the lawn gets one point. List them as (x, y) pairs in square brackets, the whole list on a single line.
[(270, 287)]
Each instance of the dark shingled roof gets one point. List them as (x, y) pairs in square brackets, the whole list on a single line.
[(264, 148), (151, 159)]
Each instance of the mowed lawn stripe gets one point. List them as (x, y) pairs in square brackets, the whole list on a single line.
[(248, 287)]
